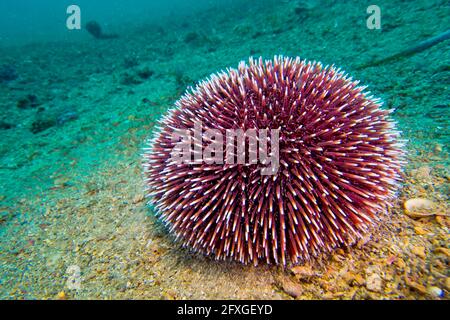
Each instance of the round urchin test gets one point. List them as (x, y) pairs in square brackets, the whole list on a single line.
[(275, 161)]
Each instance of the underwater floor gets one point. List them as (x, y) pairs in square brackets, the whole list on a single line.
[(73, 123)]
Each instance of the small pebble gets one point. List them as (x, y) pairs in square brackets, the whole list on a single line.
[(419, 207), (420, 231), (400, 263), (374, 282), (417, 204), (291, 288), (419, 251), (354, 278), (435, 292), (422, 173), (443, 251), (303, 272), (438, 148), (138, 198)]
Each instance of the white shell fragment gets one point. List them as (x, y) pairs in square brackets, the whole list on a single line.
[(419, 207)]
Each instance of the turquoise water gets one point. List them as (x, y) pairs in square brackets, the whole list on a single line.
[(75, 111)]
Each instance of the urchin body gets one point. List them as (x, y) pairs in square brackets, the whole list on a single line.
[(339, 154)]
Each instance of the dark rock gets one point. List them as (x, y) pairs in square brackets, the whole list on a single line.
[(388, 27), (441, 106), (40, 125), (196, 39), (278, 31), (145, 73), (130, 62), (191, 37), (304, 7), (96, 31), (257, 34), (299, 11), (29, 102), (7, 73), (148, 103), (129, 79), (5, 125)]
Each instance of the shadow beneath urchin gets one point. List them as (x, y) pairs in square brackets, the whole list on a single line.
[(182, 256)]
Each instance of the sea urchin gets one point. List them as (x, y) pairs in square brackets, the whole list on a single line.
[(339, 156)]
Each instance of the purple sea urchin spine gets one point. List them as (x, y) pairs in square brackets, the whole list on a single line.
[(339, 153)]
